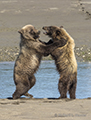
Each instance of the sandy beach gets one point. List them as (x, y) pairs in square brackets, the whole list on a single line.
[(45, 109), (75, 16)]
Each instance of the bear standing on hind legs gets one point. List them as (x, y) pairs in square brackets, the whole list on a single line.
[(65, 60), (29, 58)]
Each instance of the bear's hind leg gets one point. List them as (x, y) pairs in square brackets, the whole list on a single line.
[(62, 89), (72, 90), (21, 89), (32, 81)]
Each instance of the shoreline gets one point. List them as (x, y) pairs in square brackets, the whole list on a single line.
[(83, 54)]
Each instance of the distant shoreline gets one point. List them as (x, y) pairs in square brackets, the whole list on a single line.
[(83, 54)]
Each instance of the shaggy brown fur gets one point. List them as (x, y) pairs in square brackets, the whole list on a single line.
[(65, 61), (28, 60)]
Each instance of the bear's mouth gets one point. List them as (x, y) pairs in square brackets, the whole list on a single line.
[(45, 32), (36, 36)]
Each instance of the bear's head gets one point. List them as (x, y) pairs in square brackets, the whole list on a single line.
[(29, 32), (54, 32)]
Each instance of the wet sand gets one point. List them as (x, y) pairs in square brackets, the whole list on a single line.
[(74, 15), (45, 109)]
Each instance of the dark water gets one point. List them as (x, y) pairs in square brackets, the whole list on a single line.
[(46, 80)]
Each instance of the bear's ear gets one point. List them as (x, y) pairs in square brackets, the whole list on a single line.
[(20, 31), (61, 26), (58, 32)]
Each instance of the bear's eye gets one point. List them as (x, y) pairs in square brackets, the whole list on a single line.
[(31, 31), (57, 32)]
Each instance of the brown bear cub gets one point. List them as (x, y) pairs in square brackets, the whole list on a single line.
[(65, 61), (28, 60)]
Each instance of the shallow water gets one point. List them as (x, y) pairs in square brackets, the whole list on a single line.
[(46, 80)]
